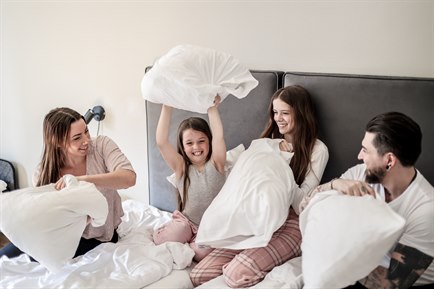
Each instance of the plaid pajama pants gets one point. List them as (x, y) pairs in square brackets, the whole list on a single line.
[(244, 268)]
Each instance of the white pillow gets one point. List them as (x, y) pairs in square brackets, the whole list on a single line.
[(47, 224), (3, 186), (189, 77), (345, 238), (254, 201), (232, 157)]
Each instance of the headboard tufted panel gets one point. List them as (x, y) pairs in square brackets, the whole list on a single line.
[(345, 103), (243, 120)]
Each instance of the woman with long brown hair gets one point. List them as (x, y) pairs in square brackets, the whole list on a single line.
[(291, 119), (69, 149)]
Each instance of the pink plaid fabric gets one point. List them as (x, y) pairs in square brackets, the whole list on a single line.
[(244, 268)]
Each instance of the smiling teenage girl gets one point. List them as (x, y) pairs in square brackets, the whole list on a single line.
[(291, 119)]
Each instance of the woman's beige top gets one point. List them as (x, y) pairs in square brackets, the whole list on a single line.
[(104, 156)]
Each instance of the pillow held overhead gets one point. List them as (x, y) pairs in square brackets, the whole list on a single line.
[(189, 77)]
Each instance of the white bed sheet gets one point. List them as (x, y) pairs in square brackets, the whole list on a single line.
[(177, 279), (133, 262)]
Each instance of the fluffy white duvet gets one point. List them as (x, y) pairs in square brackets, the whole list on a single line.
[(133, 262)]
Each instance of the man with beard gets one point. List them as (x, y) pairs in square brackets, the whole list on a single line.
[(390, 148)]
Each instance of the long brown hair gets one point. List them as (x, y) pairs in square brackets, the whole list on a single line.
[(56, 127), (305, 127), (198, 124)]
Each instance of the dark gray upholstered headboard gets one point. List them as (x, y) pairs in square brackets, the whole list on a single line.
[(8, 175), (243, 120), (345, 103)]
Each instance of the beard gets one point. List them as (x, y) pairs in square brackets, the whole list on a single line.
[(375, 176)]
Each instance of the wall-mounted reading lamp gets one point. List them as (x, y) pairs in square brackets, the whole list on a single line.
[(97, 113)]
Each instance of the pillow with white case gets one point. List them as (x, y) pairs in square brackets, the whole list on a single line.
[(232, 157), (3, 186), (344, 238), (47, 223), (254, 201), (189, 77)]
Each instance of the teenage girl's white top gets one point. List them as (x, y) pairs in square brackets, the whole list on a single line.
[(319, 159)]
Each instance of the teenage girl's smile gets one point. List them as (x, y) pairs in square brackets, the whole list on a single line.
[(283, 116)]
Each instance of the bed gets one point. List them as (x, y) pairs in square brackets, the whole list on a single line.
[(344, 104)]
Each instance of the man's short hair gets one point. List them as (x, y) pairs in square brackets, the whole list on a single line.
[(397, 133)]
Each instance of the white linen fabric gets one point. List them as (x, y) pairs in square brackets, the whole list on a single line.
[(416, 206), (345, 237), (232, 157), (254, 201), (3, 186), (189, 77), (50, 223), (133, 262)]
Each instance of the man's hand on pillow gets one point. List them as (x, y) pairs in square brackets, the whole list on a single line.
[(352, 188)]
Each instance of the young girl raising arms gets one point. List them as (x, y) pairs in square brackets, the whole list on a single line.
[(198, 164)]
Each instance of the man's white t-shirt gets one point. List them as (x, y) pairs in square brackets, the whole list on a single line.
[(416, 206)]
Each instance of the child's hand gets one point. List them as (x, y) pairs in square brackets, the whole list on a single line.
[(217, 100)]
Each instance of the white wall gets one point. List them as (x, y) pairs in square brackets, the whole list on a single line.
[(86, 53)]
